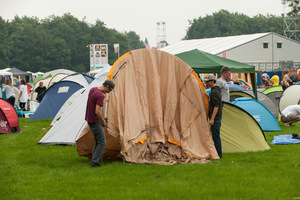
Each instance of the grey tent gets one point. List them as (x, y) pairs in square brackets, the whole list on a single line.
[(17, 72), (274, 93)]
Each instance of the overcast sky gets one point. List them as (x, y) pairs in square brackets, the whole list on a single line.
[(140, 16)]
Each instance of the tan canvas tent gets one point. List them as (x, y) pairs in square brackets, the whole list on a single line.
[(157, 112), (157, 115)]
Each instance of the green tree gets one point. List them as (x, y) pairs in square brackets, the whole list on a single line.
[(58, 54), (224, 23), (134, 40), (4, 44), (293, 4)]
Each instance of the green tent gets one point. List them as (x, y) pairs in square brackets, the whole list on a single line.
[(40, 77), (203, 62), (277, 88), (240, 132)]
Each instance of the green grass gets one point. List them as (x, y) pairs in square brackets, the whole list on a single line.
[(31, 171)]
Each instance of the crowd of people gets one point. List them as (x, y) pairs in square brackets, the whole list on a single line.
[(287, 80), (8, 90), (219, 94)]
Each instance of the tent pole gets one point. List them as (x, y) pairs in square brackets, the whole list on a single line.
[(254, 86)]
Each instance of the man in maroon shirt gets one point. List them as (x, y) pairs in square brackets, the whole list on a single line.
[(95, 120)]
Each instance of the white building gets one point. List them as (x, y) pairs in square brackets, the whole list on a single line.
[(266, 51)]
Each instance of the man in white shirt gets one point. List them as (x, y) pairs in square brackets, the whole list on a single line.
[(290, 114), (222, 84)]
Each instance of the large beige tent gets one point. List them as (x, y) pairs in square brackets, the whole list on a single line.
[(157, 113)]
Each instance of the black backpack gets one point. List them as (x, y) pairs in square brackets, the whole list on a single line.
[(294, 77)]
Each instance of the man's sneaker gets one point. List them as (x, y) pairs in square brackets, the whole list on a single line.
[(295, 136), (95, 165), (286, 124)]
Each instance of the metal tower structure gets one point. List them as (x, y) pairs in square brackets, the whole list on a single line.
[(292, 26), (160, 34)]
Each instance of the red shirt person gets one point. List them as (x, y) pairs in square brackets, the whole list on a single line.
[(95, 120)]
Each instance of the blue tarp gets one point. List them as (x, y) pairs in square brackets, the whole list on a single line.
[(259, 112), (285, 139)]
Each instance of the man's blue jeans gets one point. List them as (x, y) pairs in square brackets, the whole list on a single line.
[(100, 141), (215, 131)]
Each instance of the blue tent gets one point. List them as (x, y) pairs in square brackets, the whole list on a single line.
[(261, 114), (54, 98), (232, 87), (235, 87)]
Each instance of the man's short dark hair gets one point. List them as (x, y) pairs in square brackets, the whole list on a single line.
[(110, 83), (225, 69)]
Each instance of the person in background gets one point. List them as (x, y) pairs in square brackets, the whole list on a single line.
[(236, 79), (222, 84), (290, 115), (285, 83), (264, 74), (23, 94), (263, 82), (275, 79), (95, 120), (269, 82), (215, 111), (18, 83), (40, 91), (9, 91), (287, 77)]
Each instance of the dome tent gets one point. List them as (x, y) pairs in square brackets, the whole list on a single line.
[(56, 95), (262, 115), (8, 117), (291, 96), (157, 112), (261, 97)]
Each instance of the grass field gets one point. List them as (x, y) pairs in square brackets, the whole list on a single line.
[(31, 171)]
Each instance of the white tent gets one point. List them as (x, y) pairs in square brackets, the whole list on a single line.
[(79, 78), (68, 128), (93, 73), (58, 71), (67, 105), (6, 73), (291, 96)]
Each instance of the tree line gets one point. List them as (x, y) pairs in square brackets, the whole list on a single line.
[(224, 23), (58, 42)]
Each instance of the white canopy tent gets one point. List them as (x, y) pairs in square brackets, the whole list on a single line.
[(6, 73)]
